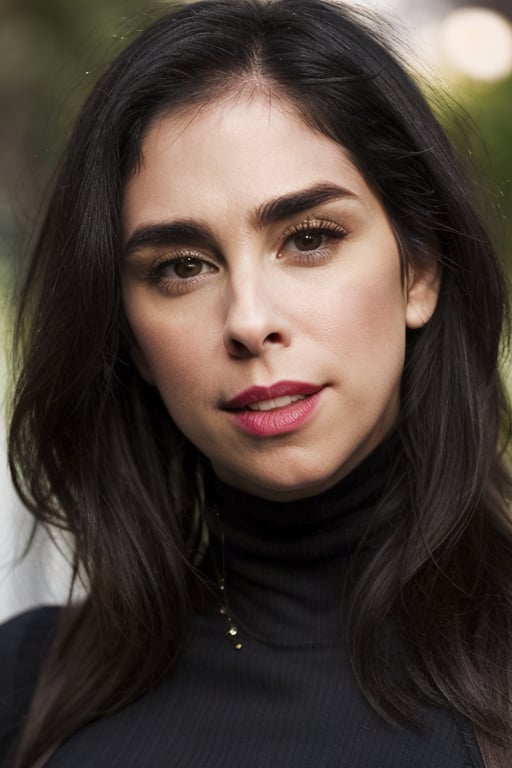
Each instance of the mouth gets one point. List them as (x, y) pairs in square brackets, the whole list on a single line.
[(279, 395), (276, 402), (269, 412)]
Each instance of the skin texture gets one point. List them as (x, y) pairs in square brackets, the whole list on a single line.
[(314, 295)]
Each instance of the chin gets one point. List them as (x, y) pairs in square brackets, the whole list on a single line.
[(273, 488)]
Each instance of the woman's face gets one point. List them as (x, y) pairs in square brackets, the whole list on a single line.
[(262, 283)]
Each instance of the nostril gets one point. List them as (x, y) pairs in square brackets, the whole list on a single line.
[(251, 347), (238, 349)]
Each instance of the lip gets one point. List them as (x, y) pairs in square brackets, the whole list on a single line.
[(276, 421), (280, 389)]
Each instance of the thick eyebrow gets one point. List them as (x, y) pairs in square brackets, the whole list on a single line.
[(189, 232), (297, 202), (167, 233)]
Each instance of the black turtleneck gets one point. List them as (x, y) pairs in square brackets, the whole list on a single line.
[(286, 564), (288, 697)]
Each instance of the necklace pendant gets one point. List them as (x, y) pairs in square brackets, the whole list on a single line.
[(232, 632)]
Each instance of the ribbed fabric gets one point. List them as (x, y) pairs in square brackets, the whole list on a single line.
[(288, 698), (286, 564)]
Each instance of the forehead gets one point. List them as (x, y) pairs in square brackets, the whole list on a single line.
[(233, 153)]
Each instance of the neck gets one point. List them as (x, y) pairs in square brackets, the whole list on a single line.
[(287, 565)]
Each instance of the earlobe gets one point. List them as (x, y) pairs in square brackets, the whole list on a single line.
[(423, 283)]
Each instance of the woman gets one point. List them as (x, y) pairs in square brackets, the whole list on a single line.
[(259, 387)]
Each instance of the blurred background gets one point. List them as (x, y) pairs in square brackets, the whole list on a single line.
[(51, 53)]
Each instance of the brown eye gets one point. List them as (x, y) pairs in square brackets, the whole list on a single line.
[(187, 267), (308, 241)]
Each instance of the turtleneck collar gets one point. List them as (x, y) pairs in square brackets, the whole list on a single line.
[(286, 564), (247, 520)]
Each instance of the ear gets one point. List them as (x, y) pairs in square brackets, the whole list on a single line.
[(423, 282), (141, 364)]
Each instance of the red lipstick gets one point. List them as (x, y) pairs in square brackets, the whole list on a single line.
[(281, 389), (275, 410)]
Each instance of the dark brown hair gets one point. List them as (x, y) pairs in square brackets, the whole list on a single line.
[(93, 450)]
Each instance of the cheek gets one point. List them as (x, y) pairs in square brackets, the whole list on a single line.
[(365, 318), (169, 350)]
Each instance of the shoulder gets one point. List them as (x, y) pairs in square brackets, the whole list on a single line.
[(30, 623), (24, 641), (468, 733)]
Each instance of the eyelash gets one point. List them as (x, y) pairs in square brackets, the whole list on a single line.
[(329, 230), (176, 285)]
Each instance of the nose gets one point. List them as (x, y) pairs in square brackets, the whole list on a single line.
[(256, 317)]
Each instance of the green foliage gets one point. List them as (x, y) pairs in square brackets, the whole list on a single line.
[(490, 107), (54, 50)]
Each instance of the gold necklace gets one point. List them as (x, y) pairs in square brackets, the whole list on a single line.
[(232, 630)]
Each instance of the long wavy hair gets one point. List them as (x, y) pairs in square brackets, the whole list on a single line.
[(94, 452)]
